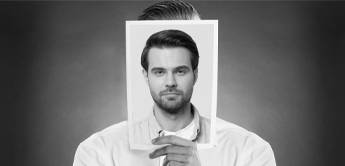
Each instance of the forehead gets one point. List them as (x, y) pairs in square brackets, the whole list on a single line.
[(169, 57)]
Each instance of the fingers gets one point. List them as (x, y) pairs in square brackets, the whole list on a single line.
[(174, 163), (171, 149), (179, 151), (178, 158), (174, 140)]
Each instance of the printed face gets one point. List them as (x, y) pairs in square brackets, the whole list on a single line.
[(170, 77)]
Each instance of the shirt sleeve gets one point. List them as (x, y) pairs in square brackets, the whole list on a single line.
[(257, 152), (90, 153)]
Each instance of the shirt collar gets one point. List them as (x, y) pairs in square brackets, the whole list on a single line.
[(155, 128)]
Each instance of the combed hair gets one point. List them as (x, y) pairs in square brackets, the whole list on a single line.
[(170, 38), (170, 10)]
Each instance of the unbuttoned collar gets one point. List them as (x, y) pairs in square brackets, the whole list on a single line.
[(155, 128)]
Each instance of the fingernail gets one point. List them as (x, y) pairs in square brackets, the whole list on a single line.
[(154, 140)]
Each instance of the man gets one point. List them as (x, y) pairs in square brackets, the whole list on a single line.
[(171, 72)]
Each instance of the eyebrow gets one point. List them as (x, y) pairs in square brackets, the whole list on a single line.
[(157, 68), (184, 67)]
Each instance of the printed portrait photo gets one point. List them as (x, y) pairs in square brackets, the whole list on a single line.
[(169, 64)]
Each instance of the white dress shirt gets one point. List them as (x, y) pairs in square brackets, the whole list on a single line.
[(142, 132), (235, 146)]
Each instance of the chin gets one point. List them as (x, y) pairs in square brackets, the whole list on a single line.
[(172, 111), (172, 107)]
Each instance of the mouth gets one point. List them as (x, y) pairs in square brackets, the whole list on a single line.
[(170, 94)]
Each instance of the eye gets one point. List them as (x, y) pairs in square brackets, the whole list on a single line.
[(158, 72), (181, 72)]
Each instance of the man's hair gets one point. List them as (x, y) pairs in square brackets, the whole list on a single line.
[(169, 39), (170, 10)]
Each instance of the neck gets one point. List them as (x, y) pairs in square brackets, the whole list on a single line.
[(174, 122)]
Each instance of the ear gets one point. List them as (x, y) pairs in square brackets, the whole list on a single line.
[(145, 74), (195, 72)]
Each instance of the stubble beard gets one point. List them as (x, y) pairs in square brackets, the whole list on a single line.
[(172, 105)]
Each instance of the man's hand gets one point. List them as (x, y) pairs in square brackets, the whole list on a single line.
[(179, 151)]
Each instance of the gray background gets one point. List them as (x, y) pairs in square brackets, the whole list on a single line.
[(281, 75)]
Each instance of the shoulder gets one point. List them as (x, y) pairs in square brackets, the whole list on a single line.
[(237, 133), (252, 147), (97, 148), (108, 137)]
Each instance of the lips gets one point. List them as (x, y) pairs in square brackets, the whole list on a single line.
[(170, 92)]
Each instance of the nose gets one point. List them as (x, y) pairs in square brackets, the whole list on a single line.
[(170, 81)]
